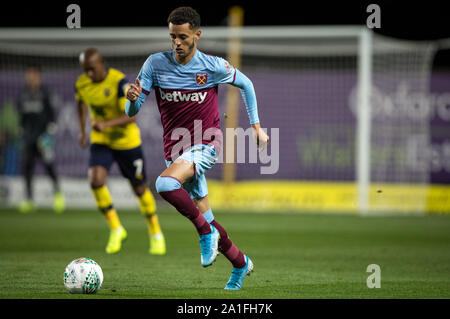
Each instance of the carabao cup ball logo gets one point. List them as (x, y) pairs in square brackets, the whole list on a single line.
[(201, 78)]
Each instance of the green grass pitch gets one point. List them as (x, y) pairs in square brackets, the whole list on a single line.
[(295, 256)]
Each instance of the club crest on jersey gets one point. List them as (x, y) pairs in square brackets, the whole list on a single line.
[(107, 92), (201, 78), (228, 67)]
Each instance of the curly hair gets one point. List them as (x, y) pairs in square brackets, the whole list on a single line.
[(184, 15)]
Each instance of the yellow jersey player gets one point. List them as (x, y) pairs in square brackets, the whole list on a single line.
[(114, 137)]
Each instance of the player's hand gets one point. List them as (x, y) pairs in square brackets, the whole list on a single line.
[(83, 140), (261, 138), (134, 91), (98, 126)]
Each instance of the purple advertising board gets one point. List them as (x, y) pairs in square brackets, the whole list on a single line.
[(311, 110)]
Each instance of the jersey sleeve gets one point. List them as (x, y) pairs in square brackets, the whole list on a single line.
[(224, 72), (123, 87), (145, 76), (20, 108), (122, 93), (77, 94)]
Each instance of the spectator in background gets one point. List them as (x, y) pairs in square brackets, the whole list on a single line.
[(9, 139), (37, 119)]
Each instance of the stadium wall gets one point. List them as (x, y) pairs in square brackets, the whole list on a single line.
[(253, 196), (316, 163), (329, 197)]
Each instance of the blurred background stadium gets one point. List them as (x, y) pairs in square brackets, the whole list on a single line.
[(335, 155)]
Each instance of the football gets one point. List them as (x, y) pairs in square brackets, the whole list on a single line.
[(83, 276)]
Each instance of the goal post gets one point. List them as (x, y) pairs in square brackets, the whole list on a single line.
[(235, 22), (363, 126)]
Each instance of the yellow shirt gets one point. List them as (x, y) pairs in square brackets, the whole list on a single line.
[(106, 101)]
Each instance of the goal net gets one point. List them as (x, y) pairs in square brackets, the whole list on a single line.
[(347, 111)]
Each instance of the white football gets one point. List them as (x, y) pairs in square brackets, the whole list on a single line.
[(83, 276)]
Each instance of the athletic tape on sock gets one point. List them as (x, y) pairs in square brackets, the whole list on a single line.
[(208, 216)]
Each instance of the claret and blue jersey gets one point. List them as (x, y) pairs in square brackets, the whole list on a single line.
[(161, 70), (187, 94)]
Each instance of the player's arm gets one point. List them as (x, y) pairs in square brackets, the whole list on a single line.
[(21, 113), (51, 127), (249, 96), (135, 98), (82, 112), (225, 73), (22, 117), (137, 92), (122, 120)]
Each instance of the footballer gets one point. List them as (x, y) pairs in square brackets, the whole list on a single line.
[(185, 81), (114, 137)]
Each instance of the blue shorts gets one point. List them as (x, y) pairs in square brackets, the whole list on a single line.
[(131, 162), (204, 157)]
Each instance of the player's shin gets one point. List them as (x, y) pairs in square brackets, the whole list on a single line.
[(170, 189), (147, 206), (228, 248), (105, 205)]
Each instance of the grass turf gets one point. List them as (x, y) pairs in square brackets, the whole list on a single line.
[(295, 256)]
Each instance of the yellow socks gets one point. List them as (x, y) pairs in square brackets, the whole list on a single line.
[(113, 219), (105, 205), (153, 225), (147, 203), (148, 209), (147, 206)]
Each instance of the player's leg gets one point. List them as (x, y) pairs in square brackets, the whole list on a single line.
[(242, 265), (46, 154), (147, 206), (226, 246), (169, 186), (100, 161), (28, 163), (59, 202), (132, 166)]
